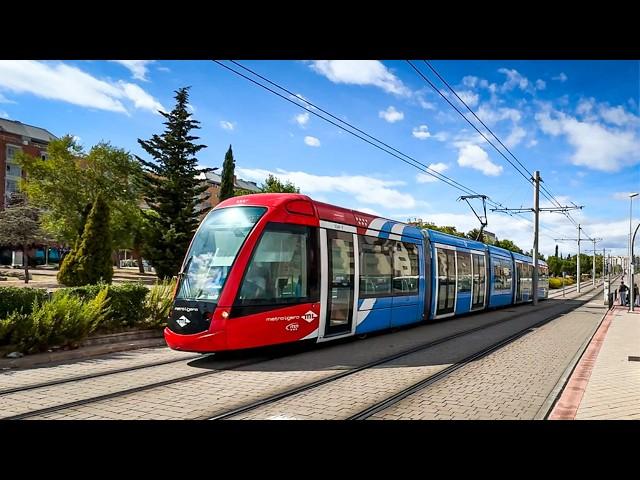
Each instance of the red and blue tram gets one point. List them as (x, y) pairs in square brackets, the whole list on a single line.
[(267, 269)]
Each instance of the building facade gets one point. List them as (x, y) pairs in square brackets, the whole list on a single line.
[(213, 180), (18, 137)]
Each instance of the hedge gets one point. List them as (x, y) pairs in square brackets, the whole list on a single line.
[(16, 299), (126, 303)]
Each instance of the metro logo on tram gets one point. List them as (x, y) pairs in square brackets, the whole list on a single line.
[(259, 260)]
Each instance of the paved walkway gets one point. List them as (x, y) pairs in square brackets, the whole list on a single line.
[(605, 384)]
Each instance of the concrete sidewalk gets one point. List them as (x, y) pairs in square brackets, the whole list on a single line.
[(605, 385)]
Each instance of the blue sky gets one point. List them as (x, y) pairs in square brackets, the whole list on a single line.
[(575, 121)]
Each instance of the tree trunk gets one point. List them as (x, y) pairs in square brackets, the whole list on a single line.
[(115, 256), (25, 262), (138, 257)]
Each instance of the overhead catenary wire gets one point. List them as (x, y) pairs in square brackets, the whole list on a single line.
[(546, 193), (385, 147)]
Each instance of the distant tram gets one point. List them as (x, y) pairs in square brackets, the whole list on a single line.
[(274, 268)]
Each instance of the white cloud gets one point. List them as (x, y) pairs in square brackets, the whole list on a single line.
[(596, 146), (361, 72), (138, 68), (227, 125), (302, 118), (3, 114), (191, 108), (364, 189), (622, 195), (391, 115), (421, 132), (514, 79), (77, 139), (541, 84), (562, 77), (491, 116), (426, 178), (470, 81), (514, 138), (469, 97), (4, 99), (312, 141), (617, 115), (441, 136), (140, 98), (475, 157), (532, 143), (63, 82)]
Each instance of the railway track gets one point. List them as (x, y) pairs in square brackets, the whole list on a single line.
[(110, 395), (418, 386)]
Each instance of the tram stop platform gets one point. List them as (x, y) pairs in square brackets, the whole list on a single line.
[(605, 384)]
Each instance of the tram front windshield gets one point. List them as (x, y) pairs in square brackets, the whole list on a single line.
[(213, 251)]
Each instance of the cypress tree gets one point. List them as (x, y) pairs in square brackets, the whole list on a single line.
[(171, 188), (228, 168), (556, 251), (90, 262)]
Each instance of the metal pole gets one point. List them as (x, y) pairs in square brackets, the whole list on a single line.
[(630, 277), (563, 275), (632, 241), (594, 262), (536, 214), (578, 262)]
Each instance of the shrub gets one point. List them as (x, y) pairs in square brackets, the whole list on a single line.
[(9, 324), (556, 282), (63, 320), (158, 303), (16, 299), (126, 303)]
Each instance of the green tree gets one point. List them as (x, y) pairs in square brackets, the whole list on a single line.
[(66, 185), (275, 185), (508, 245), (475, 235), (433, 226), (556, 255), (555, 266), (171, 188), (20, 228), (90, 261), (227, 184)]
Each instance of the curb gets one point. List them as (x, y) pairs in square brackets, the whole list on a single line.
[(92, 347)]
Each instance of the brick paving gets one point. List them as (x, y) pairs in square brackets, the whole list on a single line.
[(33, 376), (198, 398), (511, 383), (613, 389)]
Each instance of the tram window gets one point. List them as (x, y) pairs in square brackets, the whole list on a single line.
[(375, 266), (405, 269), (279, 270), (464, 272), (502, 274)]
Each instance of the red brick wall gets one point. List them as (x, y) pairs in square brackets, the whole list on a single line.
[(11, 139)]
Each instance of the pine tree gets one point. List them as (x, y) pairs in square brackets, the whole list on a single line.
[(171, 188), (228, 168), (90, 261), (556, 251)]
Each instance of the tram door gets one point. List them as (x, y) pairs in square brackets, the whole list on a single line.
[(341, 273), (479, 281)]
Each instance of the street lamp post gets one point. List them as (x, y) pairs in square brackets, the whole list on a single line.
[(631, 299)]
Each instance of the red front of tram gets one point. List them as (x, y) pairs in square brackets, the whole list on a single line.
[(250, 277)]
